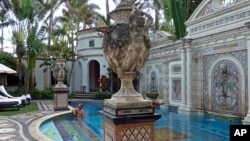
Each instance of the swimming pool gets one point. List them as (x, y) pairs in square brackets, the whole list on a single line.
[(171, 126)]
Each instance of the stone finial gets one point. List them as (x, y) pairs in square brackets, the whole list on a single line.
[(59, 72), (121, 12)]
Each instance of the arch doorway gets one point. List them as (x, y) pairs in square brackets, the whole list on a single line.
[(94, 75)]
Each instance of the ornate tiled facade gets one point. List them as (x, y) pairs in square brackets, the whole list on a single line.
[(227, 99), (218, 39)]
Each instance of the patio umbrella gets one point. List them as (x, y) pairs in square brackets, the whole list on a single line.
[(6, 70)]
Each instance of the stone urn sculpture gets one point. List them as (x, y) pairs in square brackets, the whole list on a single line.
[(126, 46), (59, 72)]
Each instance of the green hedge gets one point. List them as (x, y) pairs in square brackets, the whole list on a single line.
[(102, 95), (47, 93)]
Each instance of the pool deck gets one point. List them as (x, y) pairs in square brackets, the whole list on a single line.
[(20, 127)]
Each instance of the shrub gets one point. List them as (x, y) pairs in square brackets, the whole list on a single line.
[(16, 93), (47, 93), (35, 93), (101, 95)]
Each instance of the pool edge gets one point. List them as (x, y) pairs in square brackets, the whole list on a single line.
[(34, 127)]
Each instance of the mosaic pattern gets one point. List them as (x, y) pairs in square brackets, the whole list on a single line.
[(225, 87), (171, 126), (162, 134), (209, 60), (6, 130), (176, 90), (109, 131), (61, 100), (137, 133), (153, 82)]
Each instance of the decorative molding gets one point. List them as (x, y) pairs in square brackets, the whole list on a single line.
[(220, 22)]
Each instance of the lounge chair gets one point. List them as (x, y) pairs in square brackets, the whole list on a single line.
[(23, 98), (6, 102)]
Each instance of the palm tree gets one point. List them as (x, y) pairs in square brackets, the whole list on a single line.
[(4, 9), (51, 6), (179, 11), (18, 38), (78, 12), (28, 15), (35, 47), (149, 5)]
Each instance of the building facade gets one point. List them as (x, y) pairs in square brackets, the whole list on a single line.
[(208, 69), (205, 71)]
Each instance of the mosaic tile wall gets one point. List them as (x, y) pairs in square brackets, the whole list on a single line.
[(225, 97), (226, 87), (176, 91)]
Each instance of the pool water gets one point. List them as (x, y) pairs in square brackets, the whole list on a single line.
[(171, 126)]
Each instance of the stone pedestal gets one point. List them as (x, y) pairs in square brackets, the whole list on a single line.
[(61, 98), (128, 128), (127, 115)]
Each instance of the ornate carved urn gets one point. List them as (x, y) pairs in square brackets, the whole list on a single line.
[(126, 46), (59, 72)]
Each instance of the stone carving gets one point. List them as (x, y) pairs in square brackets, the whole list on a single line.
[(126, 46), (59, 72)]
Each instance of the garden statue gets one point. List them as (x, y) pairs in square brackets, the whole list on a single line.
[(59, 72), (126, 46), (127, 115)]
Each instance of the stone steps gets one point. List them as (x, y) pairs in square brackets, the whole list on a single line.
[(83, 95)]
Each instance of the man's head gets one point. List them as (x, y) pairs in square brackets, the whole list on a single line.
[(80, 106)]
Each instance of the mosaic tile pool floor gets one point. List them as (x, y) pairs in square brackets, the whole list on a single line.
[(170, 127)]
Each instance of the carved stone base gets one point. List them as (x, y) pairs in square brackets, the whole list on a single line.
[(60, 84), (61, 99), (128, 111), (128, 128), (128, 132), (127, 96), (131, 102)]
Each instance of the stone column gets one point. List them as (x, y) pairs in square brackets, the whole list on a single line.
[(61, 91), (183, 76), (189, 74), (247, 118)]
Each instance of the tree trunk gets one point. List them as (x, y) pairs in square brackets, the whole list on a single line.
[(157, 24), (19, 73), (31, 80), (107, 11)]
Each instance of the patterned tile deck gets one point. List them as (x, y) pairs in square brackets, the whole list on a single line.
[(15, 128)]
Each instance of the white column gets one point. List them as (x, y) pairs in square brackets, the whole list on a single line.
[(183, 76), (189, 74), (247, 118)]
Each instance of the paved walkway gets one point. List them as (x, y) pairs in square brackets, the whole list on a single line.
[(15, 128)]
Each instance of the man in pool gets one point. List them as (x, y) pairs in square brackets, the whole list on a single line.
[(79, 111)]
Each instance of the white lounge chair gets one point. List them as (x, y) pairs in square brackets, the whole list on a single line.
[(6, 102), (5, 93)]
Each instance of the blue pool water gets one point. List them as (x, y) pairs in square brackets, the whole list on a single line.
[(171, 126)]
